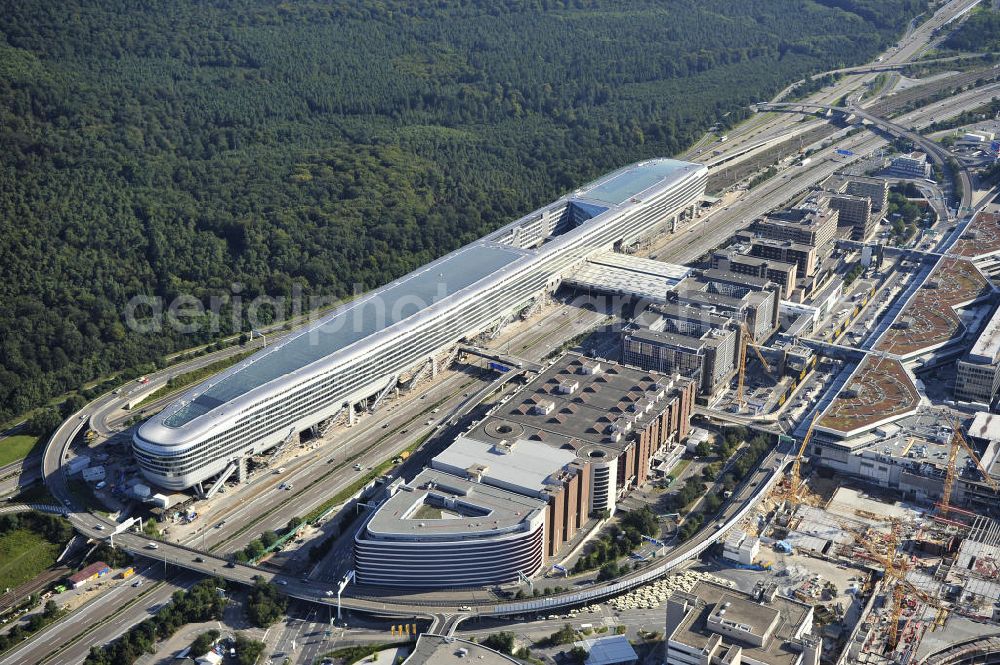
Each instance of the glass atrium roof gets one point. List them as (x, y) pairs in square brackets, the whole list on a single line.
[(632, 181), (381, 309)]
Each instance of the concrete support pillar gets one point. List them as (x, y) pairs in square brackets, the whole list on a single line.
[(352, 417), (241, 470), (434, 367), (673, 224)]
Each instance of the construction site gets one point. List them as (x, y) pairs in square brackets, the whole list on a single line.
[(890, 580)]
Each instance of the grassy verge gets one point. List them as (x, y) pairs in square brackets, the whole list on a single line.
[(17, 447), (24, 555), (676, 472), (359, 653)]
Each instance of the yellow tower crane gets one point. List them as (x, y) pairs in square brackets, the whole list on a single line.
[(793, 489), (951, 472), (746, 339), (895, 568)]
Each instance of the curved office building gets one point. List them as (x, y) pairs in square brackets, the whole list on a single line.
[(358, 349), (444, 531)]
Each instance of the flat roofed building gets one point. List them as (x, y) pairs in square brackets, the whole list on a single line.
[(440, 530), (597, 443), (876, 189), (714, 624), (555, 476), (441, 650), (686, 340), (753, 300), (514, 463), (612, 650), (626, 275), (812, 223), (912, 165), (914, 467), (781, 273), (365, 345), (804, 256), (855, 212), (977, 376)]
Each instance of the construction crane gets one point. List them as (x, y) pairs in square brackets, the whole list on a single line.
[(895, 570), (746, 339), (795, 478), (951, 471), (793, 490)]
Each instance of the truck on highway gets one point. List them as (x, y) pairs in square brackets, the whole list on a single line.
[(127, 573)]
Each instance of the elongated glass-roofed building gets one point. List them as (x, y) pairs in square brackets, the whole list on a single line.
[(356, 350)]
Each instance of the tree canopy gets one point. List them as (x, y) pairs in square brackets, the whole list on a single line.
[(188, 147)]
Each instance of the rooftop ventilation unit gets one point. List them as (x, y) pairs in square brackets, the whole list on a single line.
[(568, 387), (543, 408)]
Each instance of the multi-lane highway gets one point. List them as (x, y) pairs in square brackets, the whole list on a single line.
[(371, 441), (315, 480), (705, 233), (938, 154)]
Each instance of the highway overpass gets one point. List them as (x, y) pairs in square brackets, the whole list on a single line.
[(937, 153)]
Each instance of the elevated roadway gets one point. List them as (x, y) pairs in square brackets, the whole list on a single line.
[(185, 557), (207, 563), (435, 608), (937, 153)]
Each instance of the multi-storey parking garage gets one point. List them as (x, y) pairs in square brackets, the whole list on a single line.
[(355, 351)]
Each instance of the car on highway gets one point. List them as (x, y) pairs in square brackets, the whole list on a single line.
[(357, 467), (152, 546), (199, 559), (464, 608), (99, 527), (137, 583), (220, 524), (280, 469), (282, 582), (329, 593), (288, 487)]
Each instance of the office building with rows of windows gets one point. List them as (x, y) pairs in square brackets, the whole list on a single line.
[(354, 352), (440, 530)]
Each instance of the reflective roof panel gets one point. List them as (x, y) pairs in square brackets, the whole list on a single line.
[(630, 182), (377, 311)]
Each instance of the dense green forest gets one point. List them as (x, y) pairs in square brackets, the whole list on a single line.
[(181, 147), (980, 33)]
